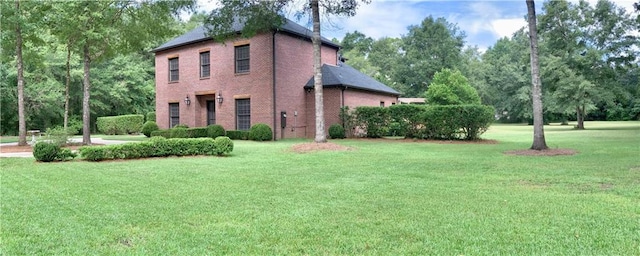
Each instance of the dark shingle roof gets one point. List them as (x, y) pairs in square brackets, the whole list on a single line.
[(199, 34), (347, 76)]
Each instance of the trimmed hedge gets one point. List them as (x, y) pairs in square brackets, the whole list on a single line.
[(161, 133), (215, 130), (178, 132), (197, 132), (149, 127), (49, 152), (374, 120), (445, 122), (406, 118), (125, 124), (158, 147), (260, 132), (336, 131), (151, 116), (238, 135)]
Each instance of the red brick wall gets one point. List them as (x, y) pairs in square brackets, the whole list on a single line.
[(294, 62), (256, 85)]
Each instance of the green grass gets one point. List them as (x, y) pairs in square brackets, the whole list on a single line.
[(120, 137), (8, 139), (384, 197)]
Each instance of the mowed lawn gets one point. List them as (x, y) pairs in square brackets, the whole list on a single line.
[(384, 197)]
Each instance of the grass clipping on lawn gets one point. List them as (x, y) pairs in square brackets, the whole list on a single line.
[(313, 146)]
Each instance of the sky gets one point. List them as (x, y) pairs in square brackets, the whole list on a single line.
[(484, 22)]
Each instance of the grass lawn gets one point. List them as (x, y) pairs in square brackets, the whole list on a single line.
[(9, 139), (384, 197)]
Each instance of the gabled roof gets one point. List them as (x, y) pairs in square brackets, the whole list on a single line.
[(347, 76), (199, 34)]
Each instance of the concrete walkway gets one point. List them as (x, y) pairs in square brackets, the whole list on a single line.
[(77, 140)]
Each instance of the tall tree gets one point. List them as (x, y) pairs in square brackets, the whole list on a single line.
[(433, 45), (21, 21), (261, 16), (99, 29), (539, 142)]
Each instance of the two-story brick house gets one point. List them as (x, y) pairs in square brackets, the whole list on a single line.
[(247, 81)]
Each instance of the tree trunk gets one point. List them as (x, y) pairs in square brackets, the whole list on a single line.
[(22, 126), (539, 142), (86, 114), (66, 92), (321, 137), (580, 117)]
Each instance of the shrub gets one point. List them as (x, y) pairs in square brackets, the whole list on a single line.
[(336, 131), (260, 132), (149, 127), (197, 132), (66, 154), (457, 121), (46, 151), (181, 126), (238, 135), (450, 87), (58, 136), (158, 147), (215, 130), (125, 124), (224, 145), (348, 121), (178, 132), (407, 119), (373, 120), (151, 116), (74, 126), (161, 133)]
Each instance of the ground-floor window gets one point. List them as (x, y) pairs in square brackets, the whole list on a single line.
[(243, 114), (174, 114)]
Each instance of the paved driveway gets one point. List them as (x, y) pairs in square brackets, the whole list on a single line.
[(29, 154)]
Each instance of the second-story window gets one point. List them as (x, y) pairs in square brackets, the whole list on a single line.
[(205, 67), (242, 59), (173, 70)]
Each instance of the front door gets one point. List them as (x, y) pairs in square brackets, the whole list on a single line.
[(211, 112)]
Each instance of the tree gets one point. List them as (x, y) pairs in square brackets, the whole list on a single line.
[(433, 45), (590, 44), (23, 19), (261, 16), (450, 87), (539, 142), (99, 29)]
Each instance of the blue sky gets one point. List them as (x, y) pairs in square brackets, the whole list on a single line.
[(484, 22)]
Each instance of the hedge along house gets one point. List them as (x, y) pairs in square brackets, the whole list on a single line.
[(266, 79)]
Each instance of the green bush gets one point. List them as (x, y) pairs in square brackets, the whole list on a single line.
[(373, 120), (125, 124), (178, 132), (197, 132), (406, 118), (260, 132), (181, 126), (151, 116), (336, 131), (457, 121), (238, 135), (450, 87), (224, 145), (74, 126), (57, 135), (161, 133), (215, 130), (149, 127), (48, 152), (157, 147)]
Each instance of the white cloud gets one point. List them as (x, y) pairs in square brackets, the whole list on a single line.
[(506, 27)]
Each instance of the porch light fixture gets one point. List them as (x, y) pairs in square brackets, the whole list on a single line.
[(187, 100), (219, 98)]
